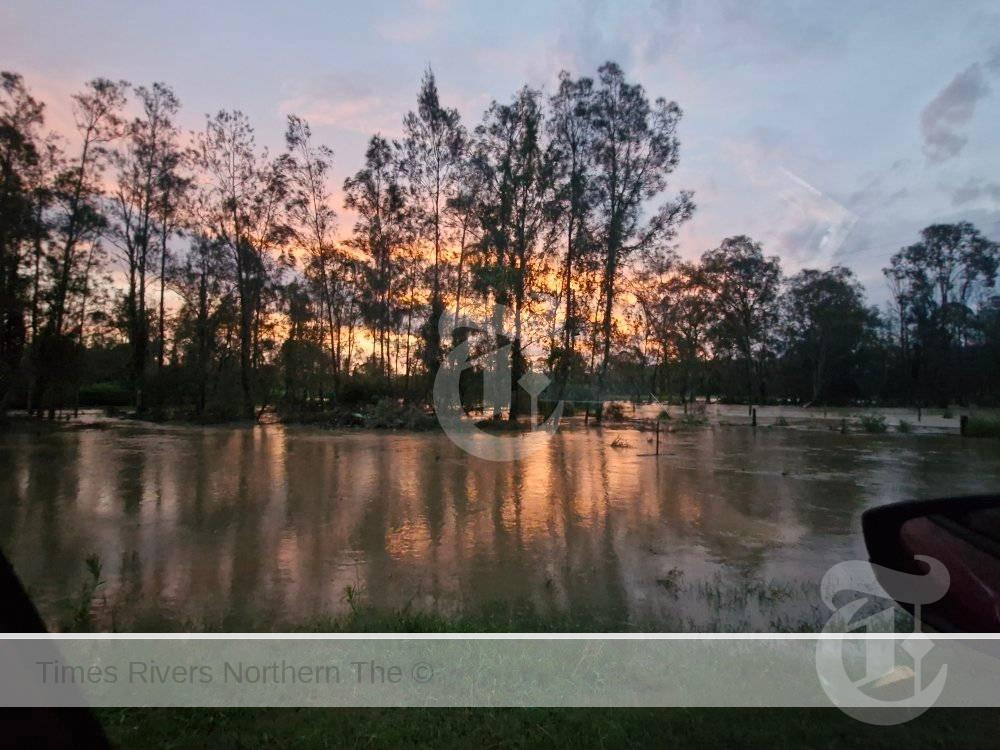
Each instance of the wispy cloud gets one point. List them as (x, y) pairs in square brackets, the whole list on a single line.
[(953, 107), (345, 102), (993, 61), (975, 190)]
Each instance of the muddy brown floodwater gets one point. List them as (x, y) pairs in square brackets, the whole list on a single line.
[(729, 528)]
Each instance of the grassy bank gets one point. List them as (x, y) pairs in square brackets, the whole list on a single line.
[(250, 728)]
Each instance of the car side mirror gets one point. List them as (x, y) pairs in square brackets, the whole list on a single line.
[(961, 533)]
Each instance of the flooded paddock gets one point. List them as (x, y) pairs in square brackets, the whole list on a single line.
[(728, 528)]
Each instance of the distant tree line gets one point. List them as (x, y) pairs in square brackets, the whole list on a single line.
[(200, 274)]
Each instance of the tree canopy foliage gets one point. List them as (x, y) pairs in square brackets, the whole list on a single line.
[(200, 274)]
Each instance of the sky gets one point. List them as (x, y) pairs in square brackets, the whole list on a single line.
[(830, 132)]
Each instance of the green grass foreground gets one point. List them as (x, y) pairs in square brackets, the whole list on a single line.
[(247, 728)]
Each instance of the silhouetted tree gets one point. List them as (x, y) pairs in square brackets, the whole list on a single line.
[(554, 205), (746, 288), (936, 283), (824, 324), (76, 224), (571, 124), (21, 119), (144, 164), (313, 222), (430, 158), (517, 174), (635, 150), (245, 193), (384, 226)]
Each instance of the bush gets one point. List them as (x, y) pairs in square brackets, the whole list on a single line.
[(781, 422), (613, 412), (362, 388), (948, 414), (904, 426), (983, 427), (873, 423), (664, 414), (390, 414), (330, 418), (105, 394), (221, 410), (693, 419)]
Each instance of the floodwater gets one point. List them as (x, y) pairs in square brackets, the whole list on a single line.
[(729, 528)]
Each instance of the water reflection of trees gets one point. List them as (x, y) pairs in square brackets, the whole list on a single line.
[(264, 525)]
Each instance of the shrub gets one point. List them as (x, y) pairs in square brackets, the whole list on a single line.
[(781, 422), (873, 423), (221, 410), (390, 414), (362, 388), (948, 414), (81, 618), (106, 394), (904, 426), (693, 419), (664, 414), (614, 412), (983, 427)]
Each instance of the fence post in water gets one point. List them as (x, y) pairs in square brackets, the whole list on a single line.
[(658, 434), (963, 423), (753, 417)]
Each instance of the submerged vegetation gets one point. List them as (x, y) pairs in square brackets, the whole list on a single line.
[(873, 423), (717, 603)]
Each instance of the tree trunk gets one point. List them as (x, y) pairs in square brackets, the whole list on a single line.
[(163, 286)]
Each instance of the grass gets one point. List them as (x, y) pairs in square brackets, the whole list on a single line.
[(81, 619), (983, 427), (250, 728)]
